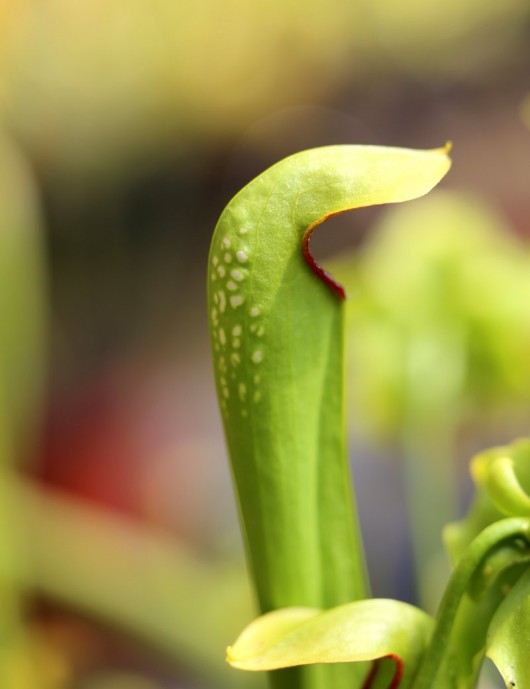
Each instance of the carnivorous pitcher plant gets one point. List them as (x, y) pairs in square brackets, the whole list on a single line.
[(277, 335)]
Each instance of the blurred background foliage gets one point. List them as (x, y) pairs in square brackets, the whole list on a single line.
[(438, 339), (125, 127)]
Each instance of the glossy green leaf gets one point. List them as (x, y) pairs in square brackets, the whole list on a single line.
[(502, 478), (360, 631), (489, 567), (508, 643), (277, 338), (504, 474), (441, 656), (502, 481), (276, 321)]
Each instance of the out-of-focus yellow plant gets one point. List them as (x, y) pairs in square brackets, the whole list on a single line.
[(21, 369), (450, 39), (22, 298), (95, 87), (99, 83), (440, 342), (439, 311)]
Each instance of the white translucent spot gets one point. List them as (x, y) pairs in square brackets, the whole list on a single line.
[(243, 230), (215, 260), (237, 330), (254, 311), (213, 277), (222, 336), (213, 313), (235, 358), (236, 343), (226, 243), (222, 364), (256, 396), (253, 327), (222, 380), (228, 257), (244, 413), (242, 390), (216, 298), (216, 347), (260, 331), (257, 379), (242, 257), (221, 270), (237, 274), (257, 356), (236, 300), (222, 301), (231, 285), (226, 393)]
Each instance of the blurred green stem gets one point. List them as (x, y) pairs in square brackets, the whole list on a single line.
[(134, 578), (16, 669), (430, 488)]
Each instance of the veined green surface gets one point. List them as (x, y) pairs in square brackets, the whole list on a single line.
[(502, 489), (502, 478), (491, 564), (360, 631), (277, 340), (446, 654), (509, 635)]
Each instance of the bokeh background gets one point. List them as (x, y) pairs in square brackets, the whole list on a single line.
[(125, 127)]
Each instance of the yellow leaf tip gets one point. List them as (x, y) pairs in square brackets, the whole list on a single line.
[(448, 147), (232, 659)]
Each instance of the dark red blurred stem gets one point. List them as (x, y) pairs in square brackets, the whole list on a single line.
[(398, 675), (317, 268), (396, 679)]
